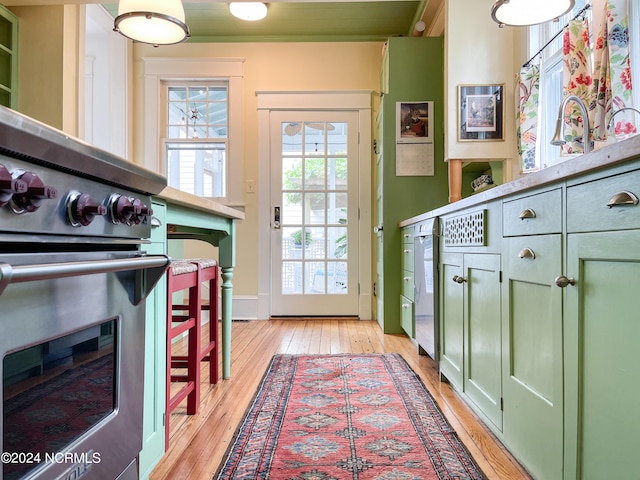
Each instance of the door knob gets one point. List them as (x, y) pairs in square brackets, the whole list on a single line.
[(563, 281), (276, 216)]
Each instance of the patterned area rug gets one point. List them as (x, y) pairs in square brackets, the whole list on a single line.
[(335, 417)]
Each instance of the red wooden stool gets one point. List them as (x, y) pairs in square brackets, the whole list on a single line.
[(183, 275), (209, 353)]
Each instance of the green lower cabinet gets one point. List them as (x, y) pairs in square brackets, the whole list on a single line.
[(153, 423), (471, 357), (483, 330), (452, 320), (532, 350), (602, 334), (406, 316)]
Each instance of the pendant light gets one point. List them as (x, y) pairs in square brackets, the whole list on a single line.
[(248, 10), (151, 21), (520, 13)]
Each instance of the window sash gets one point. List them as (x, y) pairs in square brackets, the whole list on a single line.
[(196, 142)]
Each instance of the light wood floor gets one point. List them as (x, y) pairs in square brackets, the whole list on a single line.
[(198, 442)]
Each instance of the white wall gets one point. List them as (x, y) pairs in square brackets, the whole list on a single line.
[(477, 51), (266, 67)]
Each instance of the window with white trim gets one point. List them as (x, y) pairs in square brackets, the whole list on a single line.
[(224, 179), (197, 137)]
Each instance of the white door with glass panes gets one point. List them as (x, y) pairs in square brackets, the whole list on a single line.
[(314, 209)]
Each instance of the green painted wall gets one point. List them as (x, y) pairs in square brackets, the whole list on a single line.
[(414, 73)]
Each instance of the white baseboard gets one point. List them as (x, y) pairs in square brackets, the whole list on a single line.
[(250, 307)]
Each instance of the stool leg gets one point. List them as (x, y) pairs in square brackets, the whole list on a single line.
[(213, 327), (195, 298)]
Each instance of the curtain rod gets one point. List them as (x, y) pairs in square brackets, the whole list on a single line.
[(578, 15)]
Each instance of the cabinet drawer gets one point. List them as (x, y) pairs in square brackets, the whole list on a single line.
[(587, 204), (406, 316), (408, 284), (407, 234), (533, 215), (407, 257)]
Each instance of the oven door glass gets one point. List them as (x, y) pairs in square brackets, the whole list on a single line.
[(54, 392)]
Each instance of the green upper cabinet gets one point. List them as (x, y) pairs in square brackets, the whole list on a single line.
[(412, 71), (8, 58)]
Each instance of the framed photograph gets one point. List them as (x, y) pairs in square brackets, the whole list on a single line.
[(414, 121), (480, 112)]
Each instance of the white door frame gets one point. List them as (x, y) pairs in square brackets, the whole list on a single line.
[(354, 100)]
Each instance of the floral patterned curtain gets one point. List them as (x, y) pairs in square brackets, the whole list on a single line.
[(612, 73), (577, 80), (527, 121)]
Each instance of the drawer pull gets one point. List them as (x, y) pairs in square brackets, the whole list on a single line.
[(527, 213), (458, 279), (622, 198), (406, 279), (405, 306), (563, 281), (527, 253), (406, 250), (407, 235)]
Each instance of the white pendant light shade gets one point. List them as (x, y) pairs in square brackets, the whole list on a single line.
[(152, 21), (248, 10), (520, 13)]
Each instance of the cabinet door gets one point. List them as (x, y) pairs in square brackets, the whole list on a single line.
[(602, 333), (406, 316), (532, 349), (482, 336), (153, 423), (451, 319)]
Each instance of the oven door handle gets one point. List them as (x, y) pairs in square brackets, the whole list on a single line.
[(148, 269)]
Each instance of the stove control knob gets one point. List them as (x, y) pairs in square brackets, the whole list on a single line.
[(144, 212), (82, 209), (122, 210), (9, 186), (31, 199)]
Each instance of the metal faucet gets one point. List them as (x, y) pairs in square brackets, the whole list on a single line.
[(617, 112), (558, 137)]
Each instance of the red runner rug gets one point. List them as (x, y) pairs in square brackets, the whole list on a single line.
[(335, 417)]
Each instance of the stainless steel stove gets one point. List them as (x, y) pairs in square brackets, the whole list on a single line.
[(74, 222)]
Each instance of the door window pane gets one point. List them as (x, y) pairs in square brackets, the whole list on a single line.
[(314, 201)]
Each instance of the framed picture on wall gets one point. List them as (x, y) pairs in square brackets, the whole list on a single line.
[(480, 112), (414, 122)]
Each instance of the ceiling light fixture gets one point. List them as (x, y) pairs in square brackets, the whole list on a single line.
[(520, 13), (152, 22), (248, 10)]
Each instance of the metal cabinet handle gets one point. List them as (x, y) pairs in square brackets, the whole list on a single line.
[(406, 279), (458, 279), (406, 250), (378, 228), (622, 198), (407, 235), (527, 253), (527, 213), (405, 306), (563, 281)]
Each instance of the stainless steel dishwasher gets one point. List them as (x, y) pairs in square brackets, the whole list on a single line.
[(426, 288)]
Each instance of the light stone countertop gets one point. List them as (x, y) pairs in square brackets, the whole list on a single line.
[(610, 156), (178, 197)]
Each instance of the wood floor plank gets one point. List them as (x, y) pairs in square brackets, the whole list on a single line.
[(198, 442)]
